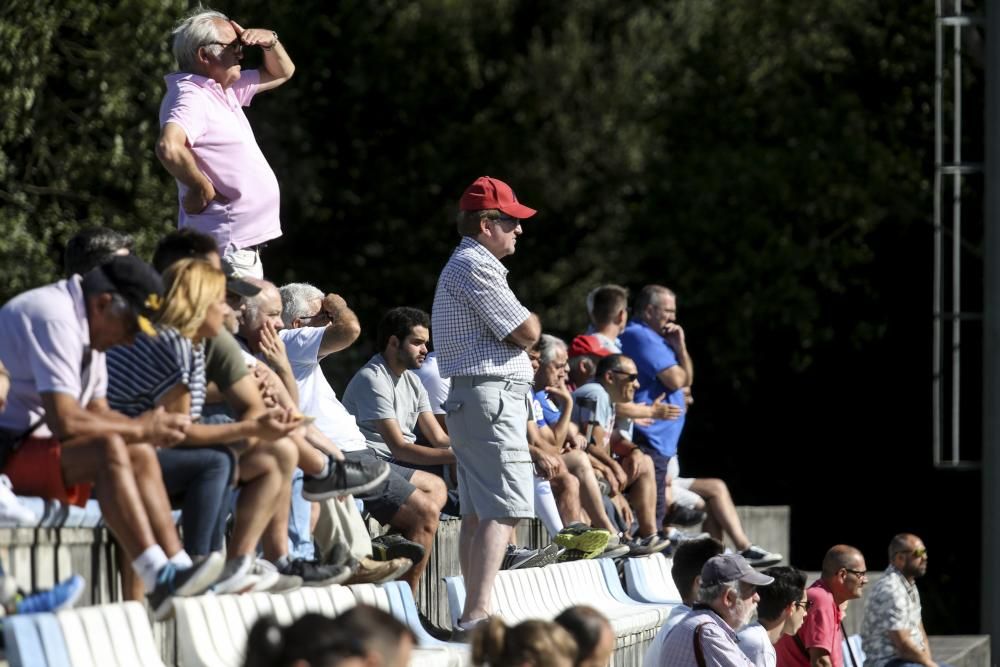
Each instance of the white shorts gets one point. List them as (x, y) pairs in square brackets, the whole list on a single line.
[(681, 486), (244, 263)]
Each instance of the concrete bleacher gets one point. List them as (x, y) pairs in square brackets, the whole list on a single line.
[(70, 540)]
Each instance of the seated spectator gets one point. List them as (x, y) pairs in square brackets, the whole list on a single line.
[(319, 325), (92, 246), (820, 639), (893, 630), (389, 402), (436, 387), (361, 637), (689, 558), (595, 638), (533, 643), (168, 370), (632, 471), (61, 437), (707, 634), (782, 607)]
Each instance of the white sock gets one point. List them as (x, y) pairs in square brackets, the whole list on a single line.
[(181, 560), (282, 562), (148, 564), (546, 508), (325, 472)]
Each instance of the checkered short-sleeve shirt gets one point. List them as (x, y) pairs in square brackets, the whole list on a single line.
[(474, 310)]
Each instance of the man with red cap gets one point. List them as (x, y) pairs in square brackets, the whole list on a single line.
[(481, 334)]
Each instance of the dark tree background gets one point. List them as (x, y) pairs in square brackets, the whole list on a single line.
[(771, 161)]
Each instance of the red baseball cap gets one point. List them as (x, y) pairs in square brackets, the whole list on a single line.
[(486, 192), (585, 344)]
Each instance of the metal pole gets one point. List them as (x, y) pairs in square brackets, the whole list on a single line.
[(956, 240), (937, 381), (991, 340)]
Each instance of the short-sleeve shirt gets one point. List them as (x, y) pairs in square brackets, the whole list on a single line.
[(756, 645), (892, 604), (44, 340), (474, 310), (140, 374), (651, 355), (225, 364), (821, 629), (436, 386), (226, 151), (316, 397), (603, 414), (719, 643), (374, 393)]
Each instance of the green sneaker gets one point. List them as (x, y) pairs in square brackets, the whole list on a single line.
[(578, 537)]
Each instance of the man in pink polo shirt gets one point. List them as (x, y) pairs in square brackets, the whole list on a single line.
[(818, 643), (225, 186)]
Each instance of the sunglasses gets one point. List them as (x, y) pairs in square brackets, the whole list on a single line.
[(807, 605), (916, 553), (236, 45), (632, 377)]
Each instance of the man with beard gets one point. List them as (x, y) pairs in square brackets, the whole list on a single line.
[(893, 631), (727, 600)]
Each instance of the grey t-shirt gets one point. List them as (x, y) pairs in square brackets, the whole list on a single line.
[(374, 393)]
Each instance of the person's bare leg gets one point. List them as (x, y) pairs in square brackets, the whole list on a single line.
[(311, 460), (566, 489), (466, 535), (104, 460), (578, 463), (418, 519), (721, 508), (149, 481), (489, 544), (262, 477), (712, 527), (274, 541), (642, 491)]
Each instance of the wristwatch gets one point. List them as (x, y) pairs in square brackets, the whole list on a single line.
[(275, 35)]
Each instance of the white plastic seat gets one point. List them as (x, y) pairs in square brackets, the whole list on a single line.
[(648, 579)]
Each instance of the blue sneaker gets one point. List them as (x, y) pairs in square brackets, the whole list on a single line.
[(61, 596), (171, 581)]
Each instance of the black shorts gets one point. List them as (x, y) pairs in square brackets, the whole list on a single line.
[(384, 501)]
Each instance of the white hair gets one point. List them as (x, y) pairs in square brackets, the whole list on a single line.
[(547, 347), (708, 594), (295, 298), (193, 32)]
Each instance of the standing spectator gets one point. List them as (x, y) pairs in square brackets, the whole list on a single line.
[(388, 400), (781, 610), (481, 334), (59, 434), (689, 558), (225, 186), (819, 642), (707, 635), (893, 630)]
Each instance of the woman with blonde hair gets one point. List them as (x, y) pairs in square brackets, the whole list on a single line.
[(533, 643), (168, 370)]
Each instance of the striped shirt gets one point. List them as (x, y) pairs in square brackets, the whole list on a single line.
[(719, 642), (474, 310), (139, 375)]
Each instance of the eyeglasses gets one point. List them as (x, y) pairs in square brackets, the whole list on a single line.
[(631, 377), (807, 604), (320, 316), (860, 574), (236, 45)]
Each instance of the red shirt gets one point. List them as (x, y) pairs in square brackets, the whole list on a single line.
[(821, 629)]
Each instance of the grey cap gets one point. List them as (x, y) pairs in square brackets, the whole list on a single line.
[(731, 567)]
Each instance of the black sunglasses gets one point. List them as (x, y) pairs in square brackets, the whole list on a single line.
[(236, 45), (632, 377)]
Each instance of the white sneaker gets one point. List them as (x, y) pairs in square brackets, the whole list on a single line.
[(12, 512), (237, 576)]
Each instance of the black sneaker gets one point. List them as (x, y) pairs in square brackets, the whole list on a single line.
[(171, 582), (392, 545), (681, 515), (519, 557), (315, 574), (345, 478), (758, 557)]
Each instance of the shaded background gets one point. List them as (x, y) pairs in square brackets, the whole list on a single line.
[(770, 161)]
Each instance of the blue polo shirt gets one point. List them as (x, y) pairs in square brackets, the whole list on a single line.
[(651, 354), (550, 412)]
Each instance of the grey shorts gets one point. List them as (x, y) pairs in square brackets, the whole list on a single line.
[(384, 501), (487, 424)]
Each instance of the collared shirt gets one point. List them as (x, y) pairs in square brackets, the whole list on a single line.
[(719, 643), (226, 151), (892, 604), (474, 310), (44, 337), (821, 629), (653, 657)]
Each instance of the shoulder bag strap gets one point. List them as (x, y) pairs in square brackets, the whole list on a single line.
[(699, 656)]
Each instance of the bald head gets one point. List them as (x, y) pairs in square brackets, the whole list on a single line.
[(839, 557), (902, 543)]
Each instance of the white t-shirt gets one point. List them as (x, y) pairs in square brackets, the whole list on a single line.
[(316, 397), (755, 643), (437, 387), (44, 336)]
